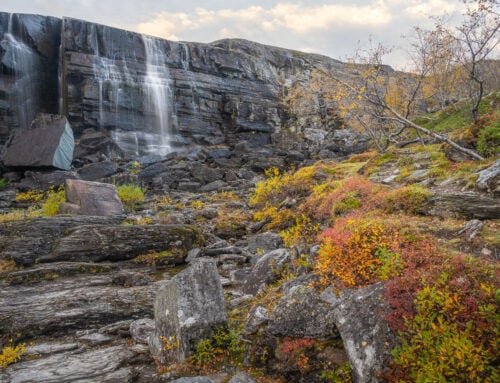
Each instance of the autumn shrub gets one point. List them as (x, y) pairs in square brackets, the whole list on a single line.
[(131, 195), (31, 196), (304, 231), (412, 199), (12, 354), (53, 200), (295, 352), (278, 187), (451, 333), (331, 199), (350, 250), (224, 345)]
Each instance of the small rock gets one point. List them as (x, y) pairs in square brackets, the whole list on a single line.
[(267, 270), (242, 378), (95, 339), (389, 180), (238, 301), (257, 317), (196, 379), (419, 173), (472, 229), (489, 178), (141, 330), (213, 186), (486, 252)]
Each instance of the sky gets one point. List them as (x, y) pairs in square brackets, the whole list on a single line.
[(332, 28)]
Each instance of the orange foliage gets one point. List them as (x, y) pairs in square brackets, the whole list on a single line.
[(349, 253)]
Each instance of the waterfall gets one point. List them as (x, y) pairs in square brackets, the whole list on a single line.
[(134, 101), (24, 64), (158, 93)]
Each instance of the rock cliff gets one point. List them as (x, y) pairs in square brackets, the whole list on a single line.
[(157, 96)]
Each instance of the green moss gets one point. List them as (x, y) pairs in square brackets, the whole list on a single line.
[(488, 142)]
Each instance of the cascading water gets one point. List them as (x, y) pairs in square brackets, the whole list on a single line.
[(158, 92), (24, 64), (134, 103)]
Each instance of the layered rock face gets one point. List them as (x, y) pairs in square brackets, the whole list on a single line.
[(153, 96)]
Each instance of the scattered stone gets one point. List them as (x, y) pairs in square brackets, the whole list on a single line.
[(265, 242), (188, 186), (240, 300), (472, 229), (7, 198), (188, 308), (489, 178), (197, 379), (193, 254), (44, 180), (358, 315), (213, 186), (486, 252), (257, 317), (389, 180), (48, 142), (417, 174), (215, 251), (142, 330), (91, 198), (97, 170), (267, 270), (95, 339), (242, 378)]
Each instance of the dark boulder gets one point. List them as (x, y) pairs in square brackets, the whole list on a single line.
[(47, 143)]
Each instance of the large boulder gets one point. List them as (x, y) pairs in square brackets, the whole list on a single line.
[(91, 198), (301, 313), (188, 308), (47, 143), (359, 317)]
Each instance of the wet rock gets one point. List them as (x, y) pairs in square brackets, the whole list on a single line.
[(267, 270), (91, 198), (359, 317), (302, 314), (48, 142), (188, 308)]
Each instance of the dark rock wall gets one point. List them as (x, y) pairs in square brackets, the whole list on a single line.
[(29, 62), (226, 93)]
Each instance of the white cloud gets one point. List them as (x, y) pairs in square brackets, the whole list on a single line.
[(424, 9), (294, 17)]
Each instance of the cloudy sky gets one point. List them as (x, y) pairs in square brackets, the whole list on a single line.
[(333, 27)]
